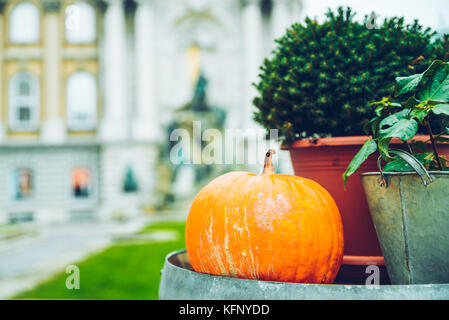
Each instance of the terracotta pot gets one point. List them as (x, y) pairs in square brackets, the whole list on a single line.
[(354, 270), (324, 160)]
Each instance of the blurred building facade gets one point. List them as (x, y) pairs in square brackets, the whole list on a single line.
[(87, 86)]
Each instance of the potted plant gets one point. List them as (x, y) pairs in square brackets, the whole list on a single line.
[(409, 196), (314, 90)]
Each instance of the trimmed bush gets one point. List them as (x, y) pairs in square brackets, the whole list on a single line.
[(322, 77)]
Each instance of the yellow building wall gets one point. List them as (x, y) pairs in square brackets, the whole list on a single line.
[(10, 65)]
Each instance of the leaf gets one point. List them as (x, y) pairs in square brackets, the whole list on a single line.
[(411, 103), (394, 118), (407, 84), (434, 84), (404, 129), (442, 139), (397, 166), (383, 147), (444, 162), (378, 110), (442, 108), (370, 128), (400, 165), (418, 146), (375, 128), (435, 166), (369, 147), (419, 114)]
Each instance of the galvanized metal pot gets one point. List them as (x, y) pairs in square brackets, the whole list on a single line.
[(410, 212), (180, 282)]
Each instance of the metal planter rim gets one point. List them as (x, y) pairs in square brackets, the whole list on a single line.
[(180, 282), (186, 271)]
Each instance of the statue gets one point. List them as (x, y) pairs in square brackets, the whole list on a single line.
[(197, 109)]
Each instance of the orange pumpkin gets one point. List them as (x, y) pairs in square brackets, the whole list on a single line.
[(270, 226)]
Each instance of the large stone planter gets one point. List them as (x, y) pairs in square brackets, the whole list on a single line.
[(180, 282)]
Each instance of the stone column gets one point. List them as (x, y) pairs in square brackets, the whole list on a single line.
[(253, 55), (53, 127), (145, 122), (2, 110), (281, 18), (114, 126)]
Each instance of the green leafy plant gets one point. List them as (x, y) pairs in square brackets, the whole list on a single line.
[(425, 103), (321, 76)]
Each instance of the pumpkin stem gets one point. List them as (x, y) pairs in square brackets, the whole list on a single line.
[(268, 167)]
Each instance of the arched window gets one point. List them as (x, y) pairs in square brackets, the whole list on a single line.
[(24, 23), (24, 102), (81, 182), (80, 23), (81, 101)]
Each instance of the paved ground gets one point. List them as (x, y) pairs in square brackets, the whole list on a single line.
[(28, 260)]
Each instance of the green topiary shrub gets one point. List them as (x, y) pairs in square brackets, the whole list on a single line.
[(322, 77)]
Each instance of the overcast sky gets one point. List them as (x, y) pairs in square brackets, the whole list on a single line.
[(432, 13)]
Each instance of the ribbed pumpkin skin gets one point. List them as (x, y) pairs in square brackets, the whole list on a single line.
[(268, 227)]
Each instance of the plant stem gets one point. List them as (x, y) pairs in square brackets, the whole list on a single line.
[(268, 167), (409, 147), (434, 145)]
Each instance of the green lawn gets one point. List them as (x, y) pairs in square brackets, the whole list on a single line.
[(130, 271)]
